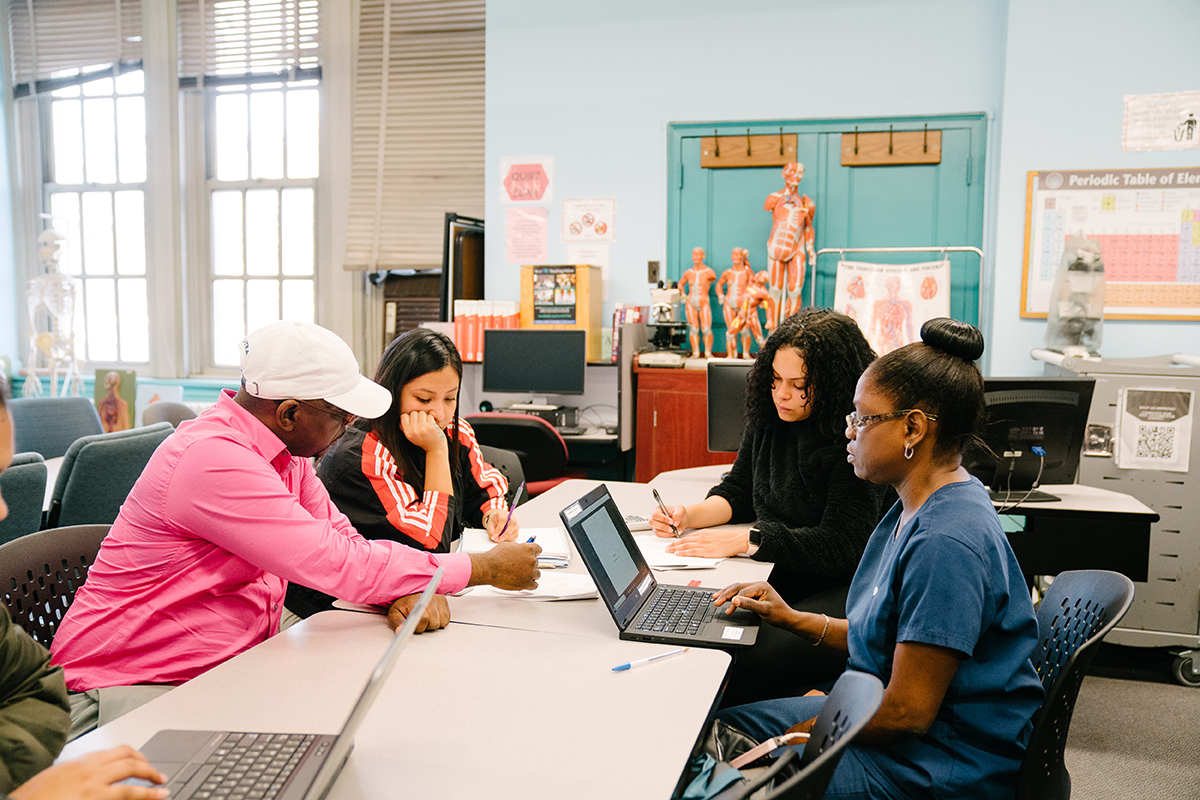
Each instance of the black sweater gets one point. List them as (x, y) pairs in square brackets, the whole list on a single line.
[(814, 515)]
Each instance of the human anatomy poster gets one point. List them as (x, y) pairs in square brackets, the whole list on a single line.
[(1148, 225), (892, 301), (1154, 429)]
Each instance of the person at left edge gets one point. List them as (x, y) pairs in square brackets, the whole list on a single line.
[(228, 510), (414, 474)]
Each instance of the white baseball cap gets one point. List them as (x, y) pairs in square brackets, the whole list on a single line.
[(299, 360)]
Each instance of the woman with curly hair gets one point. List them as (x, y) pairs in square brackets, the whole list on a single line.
[(813, 516)]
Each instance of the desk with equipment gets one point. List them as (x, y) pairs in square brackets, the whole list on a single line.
[(514, 699)]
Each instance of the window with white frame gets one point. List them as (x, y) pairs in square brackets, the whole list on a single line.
[(256, 64), (263, 165), (94, 154)]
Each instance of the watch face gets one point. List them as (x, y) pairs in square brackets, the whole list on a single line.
[(755, 536)]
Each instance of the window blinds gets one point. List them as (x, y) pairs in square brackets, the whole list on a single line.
[(418, 129), (48, 37), (240, 41)]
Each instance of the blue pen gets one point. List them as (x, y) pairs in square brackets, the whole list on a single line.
[(632, 664), (513, 505), (531, 540)]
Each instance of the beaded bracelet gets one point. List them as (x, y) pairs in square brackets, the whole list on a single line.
[(817, 643)]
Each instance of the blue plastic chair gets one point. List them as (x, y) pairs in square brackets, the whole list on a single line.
[(98, 473), (23, 486), (48, 425)]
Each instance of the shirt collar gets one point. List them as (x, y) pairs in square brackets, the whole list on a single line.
[(270, 446)]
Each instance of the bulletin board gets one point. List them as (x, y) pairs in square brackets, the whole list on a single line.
[(1148, 225)]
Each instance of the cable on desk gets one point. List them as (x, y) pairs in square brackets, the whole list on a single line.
[(1041, 453)]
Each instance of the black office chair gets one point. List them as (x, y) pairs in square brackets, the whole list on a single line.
[(1077, 612), (509, 464), (541, 448), (170, 411), (40, 574), (852, 702), (48, 425), (23, 487)]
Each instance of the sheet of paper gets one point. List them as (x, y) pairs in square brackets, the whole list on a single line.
[(553, 542), (654, 550), (551, 586)]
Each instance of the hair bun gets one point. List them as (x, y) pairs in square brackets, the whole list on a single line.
[(953, 337)]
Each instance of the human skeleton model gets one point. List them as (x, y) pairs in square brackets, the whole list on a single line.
[(792, 236), (698, 278), (733, 292), (55, 293), (892, 317)]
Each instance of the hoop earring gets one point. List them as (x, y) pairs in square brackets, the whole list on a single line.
[(908, 451)]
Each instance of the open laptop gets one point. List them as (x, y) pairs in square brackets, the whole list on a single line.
[(287, 766), (645, 610)]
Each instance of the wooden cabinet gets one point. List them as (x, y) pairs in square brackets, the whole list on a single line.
[(672, 422)]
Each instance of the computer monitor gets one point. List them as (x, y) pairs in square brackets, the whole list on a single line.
[(541, 362), (1026, 415), (727, 404)]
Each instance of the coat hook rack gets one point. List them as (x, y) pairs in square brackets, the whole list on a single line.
[(891, 147), (747, 150)]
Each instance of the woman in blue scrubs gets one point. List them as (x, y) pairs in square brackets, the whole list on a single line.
[(938, 608)]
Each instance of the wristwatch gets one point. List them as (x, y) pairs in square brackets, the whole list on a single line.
[(755, 540)]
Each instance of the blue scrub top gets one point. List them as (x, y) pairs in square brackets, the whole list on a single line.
[(949, 578)]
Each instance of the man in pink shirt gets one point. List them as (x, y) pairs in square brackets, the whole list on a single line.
[(227, 511)]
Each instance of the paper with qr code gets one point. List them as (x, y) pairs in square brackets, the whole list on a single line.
[(1154, 429)]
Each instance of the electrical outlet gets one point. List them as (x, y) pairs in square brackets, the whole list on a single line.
[(652, 271)]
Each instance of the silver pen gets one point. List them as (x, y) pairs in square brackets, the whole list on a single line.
[(662, 507)]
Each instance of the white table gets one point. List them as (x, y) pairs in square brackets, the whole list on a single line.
[(471, 711), (514, 699), (590, 617), (53, 465)]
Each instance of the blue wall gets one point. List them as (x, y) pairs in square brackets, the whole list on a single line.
[(1070, 65), (594, 86)]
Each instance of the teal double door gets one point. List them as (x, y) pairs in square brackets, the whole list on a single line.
[(927, 205)]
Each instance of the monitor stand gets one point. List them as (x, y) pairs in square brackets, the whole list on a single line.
[(1017, 496), (536, 403)]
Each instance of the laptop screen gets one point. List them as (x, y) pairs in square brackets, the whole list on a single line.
[(607, 547)]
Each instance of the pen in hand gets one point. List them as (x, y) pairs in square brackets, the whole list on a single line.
[(511, 506), (662, 507)]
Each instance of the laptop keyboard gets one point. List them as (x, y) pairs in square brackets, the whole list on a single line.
[(679, 611), (252, 766)]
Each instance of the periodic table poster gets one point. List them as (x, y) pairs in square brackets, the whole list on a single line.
[(1148, 225)]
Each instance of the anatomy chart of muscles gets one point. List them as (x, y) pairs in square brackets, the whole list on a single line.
[(890, 302)]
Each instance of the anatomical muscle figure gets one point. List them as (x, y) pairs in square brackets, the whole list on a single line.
[(733, 293), (792, 237), (698, 278)]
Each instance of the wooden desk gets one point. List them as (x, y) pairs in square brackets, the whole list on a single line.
[(472, 711)]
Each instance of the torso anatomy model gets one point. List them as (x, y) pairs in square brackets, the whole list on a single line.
[(792, 239)]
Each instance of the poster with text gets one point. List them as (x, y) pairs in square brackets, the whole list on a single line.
[(1147, 222), (594, 254), (525, 234), (891, 302), (589, 220), (1162, 121), (1154, 429), (554, 295), (527, 180)]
